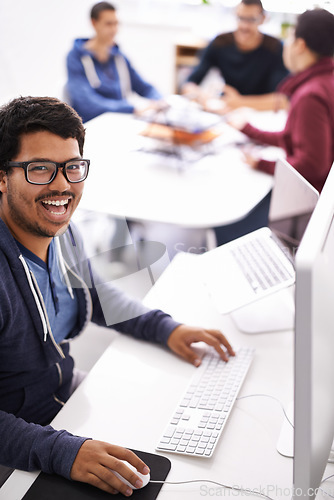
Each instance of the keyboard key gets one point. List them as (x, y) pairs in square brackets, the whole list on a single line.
[(191, 449), (165, 440), (199, 451), (167, 447), (181, 448), (169, 432)]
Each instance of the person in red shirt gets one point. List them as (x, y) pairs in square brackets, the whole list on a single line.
[(308, 136)]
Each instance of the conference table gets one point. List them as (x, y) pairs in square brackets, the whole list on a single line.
[(127, 181), (130, 393)]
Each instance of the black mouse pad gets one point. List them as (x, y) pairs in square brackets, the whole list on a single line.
[(54, 487)]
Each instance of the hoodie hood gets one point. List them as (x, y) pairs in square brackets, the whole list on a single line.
[(79, 48), (27, 283), (16, 270), (8, 246), (325, 66)]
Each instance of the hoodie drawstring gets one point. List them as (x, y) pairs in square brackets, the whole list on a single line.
[(62, 267), (39, 307)]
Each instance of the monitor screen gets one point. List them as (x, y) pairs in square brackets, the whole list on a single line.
[(314, 347)]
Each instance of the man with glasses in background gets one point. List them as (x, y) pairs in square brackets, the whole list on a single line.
[(49, 292), (249, 62)]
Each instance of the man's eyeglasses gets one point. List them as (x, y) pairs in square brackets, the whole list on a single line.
[(44, 172), (249, 20)]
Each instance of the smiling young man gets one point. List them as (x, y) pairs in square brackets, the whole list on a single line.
[(35, 213), (48, 294), (249, 61), (100, 77)]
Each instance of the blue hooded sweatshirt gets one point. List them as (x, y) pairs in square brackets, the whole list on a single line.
[(36, 372), (95, 88)]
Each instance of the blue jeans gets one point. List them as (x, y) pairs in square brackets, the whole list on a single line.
[(257, 218)]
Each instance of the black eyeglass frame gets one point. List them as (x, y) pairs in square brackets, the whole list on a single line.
[(25, 164), (250, 20)]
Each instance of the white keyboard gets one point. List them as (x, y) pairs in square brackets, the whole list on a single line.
[(199, 418), (261, 264)]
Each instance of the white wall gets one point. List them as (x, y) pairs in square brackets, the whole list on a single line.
[(36, 36)]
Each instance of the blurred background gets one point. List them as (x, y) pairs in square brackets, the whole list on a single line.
[(161, 38), (155, 34)]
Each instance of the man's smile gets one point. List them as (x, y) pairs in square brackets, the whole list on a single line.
[(56, 206)]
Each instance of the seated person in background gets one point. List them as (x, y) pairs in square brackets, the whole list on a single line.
[(48, 294), (308, 136), (249, 61), (100, 77)]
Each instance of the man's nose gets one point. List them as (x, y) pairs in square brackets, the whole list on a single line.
[(60, 183)]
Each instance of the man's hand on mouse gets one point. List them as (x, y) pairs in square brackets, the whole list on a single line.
[(183, 336), (96, 460)]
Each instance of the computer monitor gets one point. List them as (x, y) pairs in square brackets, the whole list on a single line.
[(314, 347)]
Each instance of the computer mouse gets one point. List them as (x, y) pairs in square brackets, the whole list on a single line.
[(144, 477)]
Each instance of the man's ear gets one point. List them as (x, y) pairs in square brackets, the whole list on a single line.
[(3, 181), (300, 45), (263, 18)]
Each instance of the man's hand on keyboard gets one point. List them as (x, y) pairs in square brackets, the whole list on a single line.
[(183, 336)]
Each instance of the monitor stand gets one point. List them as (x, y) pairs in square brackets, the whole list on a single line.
[(285, 439), (271, 314)]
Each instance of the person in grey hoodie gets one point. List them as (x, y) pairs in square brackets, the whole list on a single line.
[(49, 291)]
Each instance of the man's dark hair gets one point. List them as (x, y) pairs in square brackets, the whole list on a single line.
[(99, 7), (34, 114), (253, 2), (316, 28)]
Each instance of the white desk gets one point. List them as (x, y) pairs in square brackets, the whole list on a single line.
[(133, 389), (217, 190)]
